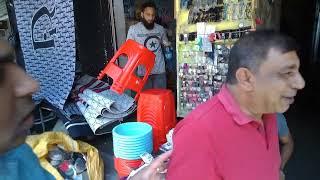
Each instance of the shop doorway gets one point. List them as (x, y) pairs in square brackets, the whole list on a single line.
[(127, 13), (300, 19)]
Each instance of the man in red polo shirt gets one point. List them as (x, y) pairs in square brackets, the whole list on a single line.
[(234, 135)]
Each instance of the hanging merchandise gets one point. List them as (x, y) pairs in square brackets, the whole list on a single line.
[(206, 32), (47, 37)]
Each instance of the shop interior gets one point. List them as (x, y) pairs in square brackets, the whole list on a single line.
[(302, 116), (98, 36)]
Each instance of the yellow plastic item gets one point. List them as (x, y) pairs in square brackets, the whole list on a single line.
[(41, 144)]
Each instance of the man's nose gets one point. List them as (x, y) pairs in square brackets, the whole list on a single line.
[(27, 86), (150, 18), (299, 82)]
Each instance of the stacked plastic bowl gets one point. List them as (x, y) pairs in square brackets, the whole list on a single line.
[(130, 140), (124, 167)]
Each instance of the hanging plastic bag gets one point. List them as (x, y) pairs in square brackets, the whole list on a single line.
[(41, 144)]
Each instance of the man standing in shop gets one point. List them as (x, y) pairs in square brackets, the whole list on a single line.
[(234, 135), (152, 36), (286, 141)]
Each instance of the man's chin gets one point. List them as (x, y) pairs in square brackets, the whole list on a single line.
[(284, 108), (148, 26), (16, 142), (21, 139)]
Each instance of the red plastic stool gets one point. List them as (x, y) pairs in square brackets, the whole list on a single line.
[(156, 107), (125, 78)]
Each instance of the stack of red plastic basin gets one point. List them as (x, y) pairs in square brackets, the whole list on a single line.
[(156, 107), (124, 167)]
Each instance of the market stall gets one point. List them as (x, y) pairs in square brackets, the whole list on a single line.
[(206, 31)]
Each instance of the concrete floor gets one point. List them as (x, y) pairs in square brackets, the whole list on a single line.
[(105, 147)]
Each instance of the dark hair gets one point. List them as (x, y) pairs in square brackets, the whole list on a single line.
[(252, 49), (6, 56), (148, 4)]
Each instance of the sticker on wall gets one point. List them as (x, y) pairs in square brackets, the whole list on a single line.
[(47, 36)]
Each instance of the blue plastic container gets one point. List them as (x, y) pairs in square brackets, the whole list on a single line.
[(132, 139)]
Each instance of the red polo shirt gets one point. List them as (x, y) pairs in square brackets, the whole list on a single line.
[(217, 141)]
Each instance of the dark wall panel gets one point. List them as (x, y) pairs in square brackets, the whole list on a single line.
[(93, 34)]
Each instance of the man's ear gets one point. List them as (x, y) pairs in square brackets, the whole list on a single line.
[(245, 78), (141, 14)]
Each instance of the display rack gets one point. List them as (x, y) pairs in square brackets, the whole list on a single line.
[(206, 31)]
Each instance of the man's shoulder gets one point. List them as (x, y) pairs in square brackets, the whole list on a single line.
[(158, 26), (23, 159), (205, 114), (136, 25), (281, 117), (283, 129), (209, 108)]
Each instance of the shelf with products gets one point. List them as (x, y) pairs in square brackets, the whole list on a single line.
[(202, 59), (200, 76), (186, 28), (227, 14)]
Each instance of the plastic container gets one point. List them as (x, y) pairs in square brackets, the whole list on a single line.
[(124, 167), (132, 139), (157, 108)]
